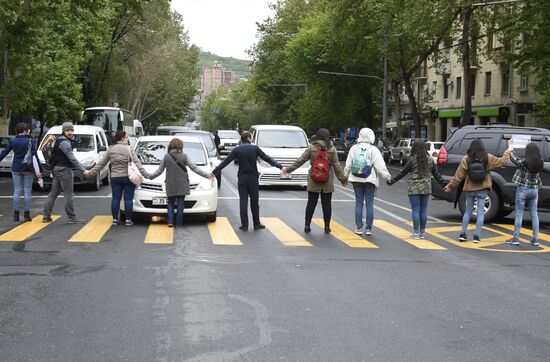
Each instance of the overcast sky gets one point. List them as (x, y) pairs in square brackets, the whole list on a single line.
[(223, 27)]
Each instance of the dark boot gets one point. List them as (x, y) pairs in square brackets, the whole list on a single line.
[(16, 216), (327, 227), (28, 216), (307, 227)]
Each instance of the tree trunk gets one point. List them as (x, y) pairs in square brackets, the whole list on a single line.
[(414, 109), (466, 65), (397, 100)]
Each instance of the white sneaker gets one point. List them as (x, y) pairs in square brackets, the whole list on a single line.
[(368, 232), (415, 236), (422, 235), (358, 231)]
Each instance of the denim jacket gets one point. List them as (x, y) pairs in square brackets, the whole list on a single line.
[(19, 145)]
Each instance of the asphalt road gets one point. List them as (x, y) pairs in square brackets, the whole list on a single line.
[(277, 294)]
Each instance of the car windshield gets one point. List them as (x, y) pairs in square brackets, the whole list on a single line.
[(229, 134), (437, 146), (205, 137), (109, 120), (281, 139), (80, 142), (152, 152)]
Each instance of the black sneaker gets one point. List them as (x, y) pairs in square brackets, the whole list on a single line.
[(307, 229), (259, 226), (476, 239), (243, 227), (462, 237), (46, 219), (535, 242)]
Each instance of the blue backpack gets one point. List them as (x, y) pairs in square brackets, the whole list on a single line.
[(361, 164)]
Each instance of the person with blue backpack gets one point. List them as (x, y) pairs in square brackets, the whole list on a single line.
[(420, 167), (364, 166)]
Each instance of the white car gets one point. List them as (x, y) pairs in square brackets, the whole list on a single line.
[(5, 164), (89, 146), (150, 198), (284, 144), (229, 139), (433, 149)]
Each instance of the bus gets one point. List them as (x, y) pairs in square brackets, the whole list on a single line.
[(112, 119)]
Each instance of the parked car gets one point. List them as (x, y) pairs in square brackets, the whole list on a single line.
[(501, 199), (229, 139), (89, 146), (132, 141), (150, 199), (208, 140), (5, 164), (384, 148), (401, 151), (433, 148), (284, 144), (342, 147)]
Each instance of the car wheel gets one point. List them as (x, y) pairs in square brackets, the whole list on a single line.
[(211, 217), (105, 180), (401, 160), (492, 206)]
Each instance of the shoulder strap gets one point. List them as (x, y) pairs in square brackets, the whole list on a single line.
[(177, 163)]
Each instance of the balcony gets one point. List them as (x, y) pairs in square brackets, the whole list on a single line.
[(443, 68)]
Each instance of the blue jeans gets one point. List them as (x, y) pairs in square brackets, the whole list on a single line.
[(526, 196), (470, 199), (178, 202), (364, 194), (22, 181), (119, 186), (419, 208)]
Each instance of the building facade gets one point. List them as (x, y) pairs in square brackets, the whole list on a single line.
[(214, 77)]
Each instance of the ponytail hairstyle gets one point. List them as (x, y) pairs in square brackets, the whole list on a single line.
[(419, 151), (533, 160), (477, 152), (323, 135)]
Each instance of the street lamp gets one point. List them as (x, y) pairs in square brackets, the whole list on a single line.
[(384, 92)]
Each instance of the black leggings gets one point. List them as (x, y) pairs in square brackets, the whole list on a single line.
[(312, 198)]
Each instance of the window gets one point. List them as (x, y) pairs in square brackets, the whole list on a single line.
[(473, 84), (458, 87), (505, 86), (523, 83), (446, 86), (521, 121), (488, 83)]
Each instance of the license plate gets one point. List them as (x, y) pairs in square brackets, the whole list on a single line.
[(160, 201), (286, 176)]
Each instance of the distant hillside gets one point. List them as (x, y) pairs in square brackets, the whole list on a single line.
[(239, 66)]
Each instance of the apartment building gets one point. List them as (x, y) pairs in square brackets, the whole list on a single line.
[(214, 77), (500, 93)]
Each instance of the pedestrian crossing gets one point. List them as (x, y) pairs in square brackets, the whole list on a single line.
[(223, 233)]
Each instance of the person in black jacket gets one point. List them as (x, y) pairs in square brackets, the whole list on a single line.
[(247, 154)]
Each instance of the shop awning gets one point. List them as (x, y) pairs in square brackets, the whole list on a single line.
[(450, 114), (487, 112)]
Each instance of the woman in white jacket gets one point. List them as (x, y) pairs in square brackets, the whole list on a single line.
[(364, 166)]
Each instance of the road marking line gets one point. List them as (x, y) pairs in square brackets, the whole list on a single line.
[(230, 186), (346, 236), (159, 234), (406, 236), (222, 232), (284, 233), (93, 231), (525, 231), (27, 229)]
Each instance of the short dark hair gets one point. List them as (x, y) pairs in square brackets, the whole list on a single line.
[(245, 136), (21, 127), (120, 135)]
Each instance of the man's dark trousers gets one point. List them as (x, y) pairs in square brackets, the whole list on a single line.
[(249, 187)]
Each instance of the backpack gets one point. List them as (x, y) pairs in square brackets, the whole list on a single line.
[(477, 172), (49, 152), (361, 165), (320, 166)]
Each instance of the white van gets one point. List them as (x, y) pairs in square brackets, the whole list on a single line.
[(89, 146), (284, 144)]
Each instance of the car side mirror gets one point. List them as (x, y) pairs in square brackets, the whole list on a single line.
[(101, 149)]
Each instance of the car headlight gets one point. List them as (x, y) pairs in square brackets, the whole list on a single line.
[(88, 162), (263, 163), (205, 185)]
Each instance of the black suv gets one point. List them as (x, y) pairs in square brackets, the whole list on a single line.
[(501, 199)]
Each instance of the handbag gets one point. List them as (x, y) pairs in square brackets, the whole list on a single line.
[(27, 160), (134, 174)]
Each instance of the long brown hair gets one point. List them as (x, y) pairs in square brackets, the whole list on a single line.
[(419, 151), (476, 152), (533, 160)]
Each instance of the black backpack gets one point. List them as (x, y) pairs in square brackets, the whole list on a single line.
[(477, 172), (49, 152)]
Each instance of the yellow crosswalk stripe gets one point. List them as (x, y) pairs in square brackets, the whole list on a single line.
[(346, 236), (405, 236), (159, 234), (524, 231), (284, 233), (93, 231), (27, 229), (222, 232)]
